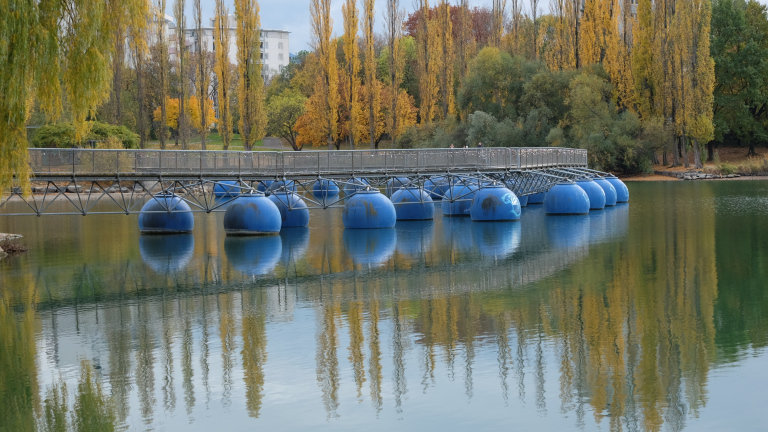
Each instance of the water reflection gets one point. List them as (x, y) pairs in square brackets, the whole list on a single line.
[(370, 247), (609, 320), (414, 238), (496, 240), (253, 255), (167, 253)]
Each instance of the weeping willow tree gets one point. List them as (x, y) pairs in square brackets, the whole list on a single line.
[(51, 50)]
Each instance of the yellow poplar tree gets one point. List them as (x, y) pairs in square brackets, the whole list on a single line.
[(497, 29), (642, 60), (351, 71), (372, 87), (223, 71), (162, 69), (427, 52), (250, 89), (320, 120), (702, 128), (203, 75), (396, 61), (140, 16), (445, 41), (179, 7)]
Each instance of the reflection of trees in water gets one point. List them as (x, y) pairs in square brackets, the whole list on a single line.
[(187, 352), (254, 349), (327, 355), (145, 364), (225, 303)]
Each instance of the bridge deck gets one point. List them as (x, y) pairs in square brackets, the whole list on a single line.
[(90, 164)]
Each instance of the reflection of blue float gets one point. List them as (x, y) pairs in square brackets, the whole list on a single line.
[(436, 187), (495, 203), (610, 224), (325, 189), (295, 243), (622, 193), (252, 214), (370, 246), (496, 239), (396, 183), (414, 238), (293, 209), (523, 200), (608, 189), (594, 193), (566, 198), (354, 185), (226, 189), (413, 203), (458, 200), (537, 198), (173, 215), (369, 209), (568, 232), (253, 256), (457, 233), (167, 253)]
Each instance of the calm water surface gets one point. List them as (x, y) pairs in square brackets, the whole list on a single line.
[(647, 316)]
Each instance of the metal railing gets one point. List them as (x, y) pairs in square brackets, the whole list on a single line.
[(127, 163)]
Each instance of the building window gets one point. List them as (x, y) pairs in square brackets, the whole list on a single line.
[(280, 56), (279, 45)]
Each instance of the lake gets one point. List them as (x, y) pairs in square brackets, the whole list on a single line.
[(651, 315)]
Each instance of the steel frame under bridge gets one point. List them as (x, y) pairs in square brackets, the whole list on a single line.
[(84, 178)]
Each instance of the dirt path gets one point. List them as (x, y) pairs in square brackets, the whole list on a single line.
[(274, 143)]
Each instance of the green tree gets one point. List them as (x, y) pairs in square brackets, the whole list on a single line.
[(740, 50), (284, 111)]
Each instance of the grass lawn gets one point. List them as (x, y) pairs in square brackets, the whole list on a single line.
[(213, 142)]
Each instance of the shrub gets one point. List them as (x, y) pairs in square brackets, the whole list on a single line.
[(62, 135)]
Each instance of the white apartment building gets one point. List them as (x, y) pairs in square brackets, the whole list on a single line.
[(274, 45)]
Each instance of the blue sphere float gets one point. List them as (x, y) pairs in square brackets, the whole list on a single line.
[(523, 200), (458, 200), (610, 191), (355, 185), (537, 198), (372, 247), (293, 209), (252, 214), (622, 193), (369, 209), (594, 192), (495, 203), (166, 213), (226, 189), (167, 254), (413, 203), (282, 186), (325, 189), (394, 184), (264, 185), (437, 187), (253, 256), (566, 198)]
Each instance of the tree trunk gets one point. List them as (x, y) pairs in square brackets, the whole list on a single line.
[(685, 152), (676, 152), (654, 157), (751, 151), (697, 155), (664, 159), (710, 152)]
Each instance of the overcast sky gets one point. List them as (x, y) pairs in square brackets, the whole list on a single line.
[(293, 15)]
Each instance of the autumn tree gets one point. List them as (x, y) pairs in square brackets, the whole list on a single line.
[(138, 34), (395, 60), (427, 46), (372, 91), (179, 7), (499, 12), (351, 71), (250, 92), (284, 111), (445, 59), (162, 76), (222, 68), (203, 73)]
